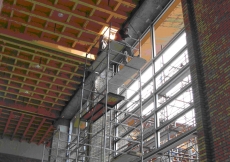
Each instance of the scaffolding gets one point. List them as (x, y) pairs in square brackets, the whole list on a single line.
[(113, 124), (98, 115), (56, 148)]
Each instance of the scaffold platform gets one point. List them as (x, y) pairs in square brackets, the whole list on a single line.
[(99, 97), (99, 109), (100, 63), (127, 72), (130, 156)]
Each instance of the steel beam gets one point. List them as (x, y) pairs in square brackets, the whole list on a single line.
[(58, 22), (8, 122), (40, 29), (44, 66), (40, 87), (75, 15), (28, 109), (51, 126), (35, 98), (126, 3), (37, 79), (43, 120), (27, 128), (102, 9), (36, 47), (19, 122), (11, 44)]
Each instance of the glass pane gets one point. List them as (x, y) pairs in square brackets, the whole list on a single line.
[(176, 106), (147, 91), (170, 52), (170, 23), (171, 91), (178, 127), (146, 75), (183, 152), (132, 89), (172, 69), (146, 47)]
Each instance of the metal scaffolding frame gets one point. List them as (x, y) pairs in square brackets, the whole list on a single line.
[(177, 78), (107, 133), (148, 137)]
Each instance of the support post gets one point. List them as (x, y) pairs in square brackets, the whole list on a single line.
[(81, 106), (57, 145), (141, 119), (43, 152), (106, 97)]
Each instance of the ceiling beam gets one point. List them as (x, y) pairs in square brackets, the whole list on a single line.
[(19, 122), (35, 87), (55, 2), (76, 15), (42, 65), (108, 10), (44, 74), (27, 128), (43, 112), (98, 2), (25, 112), (28, 102), (8, 122), (43, 120), (17, 70), (30, 97), (35, 79), (50, 32), (48, 19), (48, 130), (126, 3), (117, 6), (11, 40)]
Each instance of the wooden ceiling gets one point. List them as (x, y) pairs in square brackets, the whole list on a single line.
[(38, 77)]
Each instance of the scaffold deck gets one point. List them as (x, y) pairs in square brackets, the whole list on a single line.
[(127, 72), (99, 109)]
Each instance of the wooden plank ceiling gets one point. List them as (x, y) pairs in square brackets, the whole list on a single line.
[(37, 78)]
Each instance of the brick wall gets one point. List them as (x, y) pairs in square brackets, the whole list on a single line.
[(207, 25)]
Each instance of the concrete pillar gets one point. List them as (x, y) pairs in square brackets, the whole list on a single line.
[(207, 27)]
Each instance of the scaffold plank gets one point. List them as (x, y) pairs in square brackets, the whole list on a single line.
[(99, 109), (126, 73), (100, 63)]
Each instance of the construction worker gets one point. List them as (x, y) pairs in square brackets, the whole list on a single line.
[(121, 35)]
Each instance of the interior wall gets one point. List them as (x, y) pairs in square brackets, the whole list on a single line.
[(22, 150)]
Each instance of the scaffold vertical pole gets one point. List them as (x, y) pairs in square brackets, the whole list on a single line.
[(58, 144), (156, 136), (43, 152), (106, 97), (81, 106), (141, 119)]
